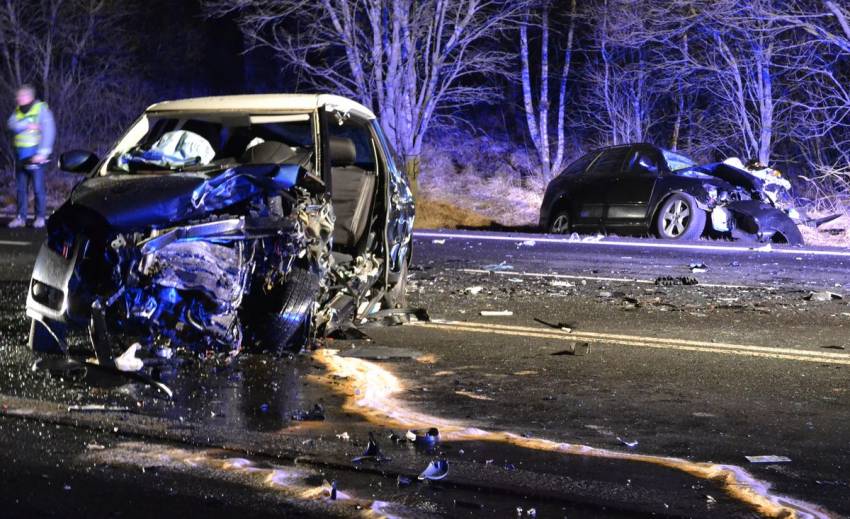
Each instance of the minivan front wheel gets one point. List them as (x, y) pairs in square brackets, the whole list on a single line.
[(680, 218)]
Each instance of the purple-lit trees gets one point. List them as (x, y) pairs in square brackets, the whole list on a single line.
[(536, 102), (60, 46), (411, 62), (63, 48)]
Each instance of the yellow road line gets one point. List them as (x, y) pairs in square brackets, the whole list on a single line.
[(616, 337), (647, 342)]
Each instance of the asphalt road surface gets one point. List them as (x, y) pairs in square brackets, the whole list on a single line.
[(603, 393)]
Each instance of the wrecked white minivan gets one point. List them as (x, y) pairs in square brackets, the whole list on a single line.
[(220, 223)]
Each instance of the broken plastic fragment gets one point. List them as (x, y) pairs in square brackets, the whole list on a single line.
[(343, 436), (770, 458), (496, 313), (315, 414), (697, 268), (438, 242), (372, 452), (670, 281), (427, 439), (628, 444), (578, 350), (564, 327), (436, 470), (499, 266), (128, 361), (473, 290), (89, 408), (527, 243), (823, 295)]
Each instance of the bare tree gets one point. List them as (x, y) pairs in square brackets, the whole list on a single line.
[(64, 48), (410, 61), (619, 92), (538, 117)]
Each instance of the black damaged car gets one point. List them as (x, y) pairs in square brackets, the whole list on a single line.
[(643, 189), (216, 224)]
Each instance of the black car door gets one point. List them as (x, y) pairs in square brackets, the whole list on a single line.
[(590, 194), (628, 197)]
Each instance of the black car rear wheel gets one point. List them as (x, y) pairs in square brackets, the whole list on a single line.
[(560, 223), (680, 218)]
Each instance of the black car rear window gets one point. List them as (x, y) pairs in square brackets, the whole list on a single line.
[(610, 162)]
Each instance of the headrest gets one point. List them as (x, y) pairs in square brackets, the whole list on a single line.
[(343, 152), (269, 152)]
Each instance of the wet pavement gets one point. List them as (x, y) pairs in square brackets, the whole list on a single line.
[(514, 401)]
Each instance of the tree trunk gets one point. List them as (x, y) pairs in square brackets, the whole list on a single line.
[(412, 167)]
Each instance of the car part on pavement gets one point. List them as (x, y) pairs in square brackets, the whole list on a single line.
[(436, 470)]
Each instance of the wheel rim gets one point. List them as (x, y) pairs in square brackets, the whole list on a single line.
[(676, 218), (561, 224)]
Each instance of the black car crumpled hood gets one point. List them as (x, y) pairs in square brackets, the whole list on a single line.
[(722, 172), (130, 202)]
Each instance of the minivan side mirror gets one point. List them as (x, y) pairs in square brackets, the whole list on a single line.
[(78, 161)]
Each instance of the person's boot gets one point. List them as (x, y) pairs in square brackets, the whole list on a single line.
[(17, 222), (39, 223)]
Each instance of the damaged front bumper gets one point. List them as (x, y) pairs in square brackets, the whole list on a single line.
[(752, 219)]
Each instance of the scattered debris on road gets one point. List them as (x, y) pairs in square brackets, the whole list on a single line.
[(697, 268), (496, 313), (426, 439), (473, 290), (436, 470), (823, 295), (495, 267), (316, 414), (98, 408), (128, 361), (564, 327), (673, 281), (370, 352), (372, 452), (628, 444), (768, 459), (526, 243), (577, 350), (439, 242)]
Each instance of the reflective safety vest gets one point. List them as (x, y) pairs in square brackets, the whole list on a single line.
[(29, 138)]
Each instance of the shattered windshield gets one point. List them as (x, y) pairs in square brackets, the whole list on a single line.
[(677, 161), (213, 141)]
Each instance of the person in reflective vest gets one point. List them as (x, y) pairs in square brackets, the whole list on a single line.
[(34, 133)]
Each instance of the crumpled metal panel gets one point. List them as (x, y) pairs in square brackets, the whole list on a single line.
[(201, 266), (130, 202)]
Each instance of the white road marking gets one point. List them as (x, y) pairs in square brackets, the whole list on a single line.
[(646, 244), (643, 341), (16, 243), (590, 278)]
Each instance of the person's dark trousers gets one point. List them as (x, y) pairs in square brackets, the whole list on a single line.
[(27, 174)]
